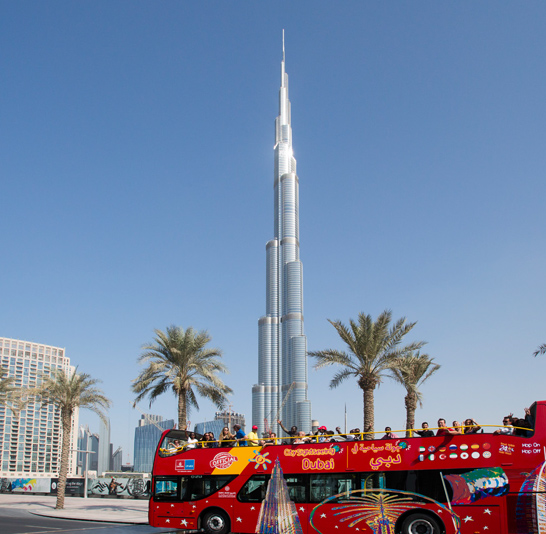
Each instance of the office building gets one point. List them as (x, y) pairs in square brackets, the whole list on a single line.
[(147, 435), (281, 391), (230, 418), (117, 459), (103, 460), (30, 441)]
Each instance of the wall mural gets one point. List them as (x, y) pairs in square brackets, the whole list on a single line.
[(133, 487), (130, 487)]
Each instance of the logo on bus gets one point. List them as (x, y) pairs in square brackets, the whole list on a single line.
[(184, 465), (223, 460)]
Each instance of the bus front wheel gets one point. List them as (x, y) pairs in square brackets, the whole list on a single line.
[(420, 524), (216, 522)]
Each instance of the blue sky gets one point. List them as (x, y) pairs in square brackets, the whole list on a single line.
[(136, 175)]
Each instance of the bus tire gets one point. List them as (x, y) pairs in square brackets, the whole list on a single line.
[(215, 522), (418, 523)]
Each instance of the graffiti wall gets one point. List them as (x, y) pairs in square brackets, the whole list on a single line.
[(131, 487), (127, 487)]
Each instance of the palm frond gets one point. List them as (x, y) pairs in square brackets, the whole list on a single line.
[(540, 350), (179, 360)]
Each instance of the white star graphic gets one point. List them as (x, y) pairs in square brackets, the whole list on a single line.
[(184, 522), (467, 519), (323, 515), (194, 506), (439, 511), (239, 520), (168, 521), (252, 508), (336, 526), (172, 505), (487, 511), (302, 509), (486, 528)]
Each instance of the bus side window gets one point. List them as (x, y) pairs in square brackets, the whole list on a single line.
[(327, 485), (254, 489), (166, 488), (296, 487)]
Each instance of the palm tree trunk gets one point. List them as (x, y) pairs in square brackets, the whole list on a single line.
[(411, 406), (66, 418), (369, 412), (182, 413)]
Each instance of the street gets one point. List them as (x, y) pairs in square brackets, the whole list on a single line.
[(21, 521)]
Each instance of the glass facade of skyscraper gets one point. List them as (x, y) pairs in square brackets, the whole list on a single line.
[(30, 441), (146, 440)]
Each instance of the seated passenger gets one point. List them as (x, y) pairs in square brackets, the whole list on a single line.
[(270, 440), (192, 440), (471, 427), (507, 426), (457, 427), (226, 438), (443, 430), (522, 428), (424, 432), (301, 438), (212, 443), (252, 437), (239, 436), (174, 446), (389, 434)]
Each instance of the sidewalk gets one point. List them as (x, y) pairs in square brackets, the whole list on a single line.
[(131, 511)]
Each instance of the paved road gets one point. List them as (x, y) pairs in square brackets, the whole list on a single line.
[(19, 521)]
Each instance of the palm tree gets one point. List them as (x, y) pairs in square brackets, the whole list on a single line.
[(68, 392), (540, 350), (6, 387), (179, 360), (373, 350), (412, 371)]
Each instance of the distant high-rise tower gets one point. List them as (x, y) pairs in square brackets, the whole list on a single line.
[(30, 439), (282, 345)]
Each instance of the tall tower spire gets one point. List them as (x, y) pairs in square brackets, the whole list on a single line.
[(281, 390)]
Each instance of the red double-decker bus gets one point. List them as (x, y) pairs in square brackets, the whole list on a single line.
[(472, 483)]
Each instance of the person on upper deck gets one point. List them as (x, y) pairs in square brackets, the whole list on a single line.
[(471, 427), (457, 427), (212, 444), (192, 440), (269, 440), (226, 438), (443, 430), (301, 438), (252, 437), (293, 432), (507, 423), (389, 434), (239, 436), (424, 432)]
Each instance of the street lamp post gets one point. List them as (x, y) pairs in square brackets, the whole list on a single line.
[(86, 469)]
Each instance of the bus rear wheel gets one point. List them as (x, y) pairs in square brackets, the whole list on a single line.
[(420, 524), (215, 522)]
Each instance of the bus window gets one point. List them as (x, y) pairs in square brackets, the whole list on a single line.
[(427, 483), (166, 488), (254, 489), (326, 485), (372, 480), (296, 487), (201, 486)]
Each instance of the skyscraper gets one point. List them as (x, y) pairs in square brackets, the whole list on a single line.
[(30, 439), (282, 346), (147, 436)]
